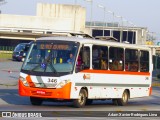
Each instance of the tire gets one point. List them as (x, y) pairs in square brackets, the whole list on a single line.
[(89, 102), (36, 101), (124, 100), (81, 101)]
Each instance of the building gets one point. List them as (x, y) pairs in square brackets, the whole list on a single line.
[(53, 18)]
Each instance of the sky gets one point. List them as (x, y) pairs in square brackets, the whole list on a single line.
[(142, 13)]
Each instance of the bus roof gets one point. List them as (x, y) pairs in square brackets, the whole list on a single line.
[(94, 41)]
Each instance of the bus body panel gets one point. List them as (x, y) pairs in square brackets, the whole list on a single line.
[(107, 88), (107, 85), (45, 87)]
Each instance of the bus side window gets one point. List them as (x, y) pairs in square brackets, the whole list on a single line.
[(131, 60), (144, 61), (104, 58), (116, 56), (134, 66), (100, 57), (95, 55), (86, 57)]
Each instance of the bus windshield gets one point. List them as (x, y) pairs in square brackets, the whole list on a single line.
[(50, 58)]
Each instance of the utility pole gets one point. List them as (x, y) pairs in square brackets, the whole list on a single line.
[(2, 2)]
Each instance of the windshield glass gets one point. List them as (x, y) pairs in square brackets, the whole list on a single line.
[(19, 47), (51, 57)]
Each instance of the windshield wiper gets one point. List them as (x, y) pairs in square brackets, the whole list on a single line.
[(51, 66)]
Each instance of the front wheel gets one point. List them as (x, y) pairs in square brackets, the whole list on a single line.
[(124, 100), (81, 101), (36, 101)]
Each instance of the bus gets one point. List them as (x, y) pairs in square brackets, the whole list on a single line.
[(81, 70)]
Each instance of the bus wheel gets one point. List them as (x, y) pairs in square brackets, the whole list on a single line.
[(36, 101), (81, 101), (124, 100)]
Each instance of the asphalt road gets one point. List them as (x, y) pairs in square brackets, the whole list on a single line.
[(9, 73), (11, 101)]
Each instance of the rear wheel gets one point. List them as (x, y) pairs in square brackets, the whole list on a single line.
[(81, 101), (36, 101), (124, 100)]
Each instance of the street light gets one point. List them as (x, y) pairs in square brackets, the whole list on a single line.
[(91, 1), (132, 24), (121, 34), (127, 29), (2, 2), (75, 12), (104, 8), (112, 20)]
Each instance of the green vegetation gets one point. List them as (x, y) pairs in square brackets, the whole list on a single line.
[(5, 55)]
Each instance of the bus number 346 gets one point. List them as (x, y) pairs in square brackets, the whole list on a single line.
[(52, 80)]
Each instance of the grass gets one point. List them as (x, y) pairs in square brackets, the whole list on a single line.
[(5, 55)]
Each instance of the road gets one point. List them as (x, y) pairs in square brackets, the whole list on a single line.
[(11, 101)]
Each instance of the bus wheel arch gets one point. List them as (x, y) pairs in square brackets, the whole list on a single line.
[(124, 100), (82, 98), (88, 101)]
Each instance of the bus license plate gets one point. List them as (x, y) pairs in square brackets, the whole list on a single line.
[(41, 92)]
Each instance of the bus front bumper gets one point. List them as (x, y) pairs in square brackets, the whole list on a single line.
[(55, 93)]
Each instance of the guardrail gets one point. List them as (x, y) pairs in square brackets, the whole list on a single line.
[(6, 48)]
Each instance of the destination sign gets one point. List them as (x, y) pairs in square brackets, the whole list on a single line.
[(54, 47)]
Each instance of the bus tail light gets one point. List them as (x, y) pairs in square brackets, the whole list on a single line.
[(62, 83), (150, 91), (24, 81)]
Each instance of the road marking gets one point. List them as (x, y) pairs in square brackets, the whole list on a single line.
[(2, 102)]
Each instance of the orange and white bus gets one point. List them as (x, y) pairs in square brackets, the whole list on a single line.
[(83, 70)]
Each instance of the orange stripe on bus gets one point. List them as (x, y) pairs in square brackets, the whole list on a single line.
[(57, 93), (29, 80), (115, 72), (150, 91)]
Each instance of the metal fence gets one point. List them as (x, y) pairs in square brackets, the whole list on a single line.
[(6, 48)]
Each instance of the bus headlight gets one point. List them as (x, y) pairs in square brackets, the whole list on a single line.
[(62, 83), (24, 81)]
